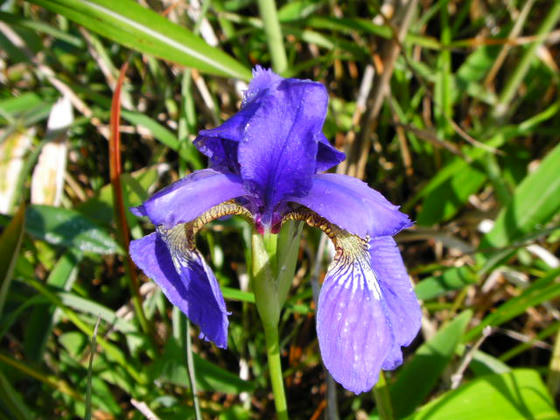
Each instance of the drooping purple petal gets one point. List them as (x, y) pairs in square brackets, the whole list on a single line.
[(187, 282), (402, 307), (354, 335), (189, 197), (350, 204), (327, 155)]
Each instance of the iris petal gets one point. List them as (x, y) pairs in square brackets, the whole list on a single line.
[(187, 282), (354, 335), (220, 144), (327, 155), (402, 307), (350, 204), (189, 197), (277, 107), (279, 147)]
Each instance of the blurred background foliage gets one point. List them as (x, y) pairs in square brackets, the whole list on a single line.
[(447, 107)]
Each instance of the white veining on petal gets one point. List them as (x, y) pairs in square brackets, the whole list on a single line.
[(177, 243), (351, 266)]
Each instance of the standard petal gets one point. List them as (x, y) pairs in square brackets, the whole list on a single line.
[(187, 282), (350, 204), (402, 307), (221, 143), (189, 197), (277, 154), (354, 335), (327, 155)]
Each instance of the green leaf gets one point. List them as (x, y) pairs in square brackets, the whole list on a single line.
[(10, 243), (170, 368), (543, 290), (235, 294), (453, 278), (535, 201), (141, 29), (39, 325), (12, 403), (419, 376), (95, 309), (444, 201), (515, 395), (59, 226)]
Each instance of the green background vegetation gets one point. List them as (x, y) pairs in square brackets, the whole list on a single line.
[(459, 123)]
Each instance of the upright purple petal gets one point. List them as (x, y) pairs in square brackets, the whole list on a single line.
[(354, 335), (187, 282), (402, 307), (353, 206), (221, 144), (189, 197), (279, 146)]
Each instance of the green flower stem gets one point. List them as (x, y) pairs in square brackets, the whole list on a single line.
[(267, 9), (275, 369), (383, 398), (265, 287)]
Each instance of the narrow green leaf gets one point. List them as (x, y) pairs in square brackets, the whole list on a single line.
[(41, 27), (170, 368), (535, 201), (10, 242), (95, 309), (59, 226), (449, 197), (235, 294), (136, 27), (39, 325), (543, 290), (453, 278), (419, 376), (12, 402), (515, 395)]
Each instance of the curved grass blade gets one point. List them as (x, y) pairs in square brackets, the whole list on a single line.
[(141, 29)]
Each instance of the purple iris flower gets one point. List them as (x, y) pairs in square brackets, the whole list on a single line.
[(267, 164)]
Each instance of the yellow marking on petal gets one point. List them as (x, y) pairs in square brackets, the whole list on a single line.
[(352, 263), (229, 208)]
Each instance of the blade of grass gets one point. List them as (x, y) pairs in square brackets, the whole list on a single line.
[(513, 82), (43, 317), (553, 380), (10, 243), (12, 401), (50, 380), (139, 28), (112, 351), (419, 376), (267, 9), (90, 370), (188, 353)]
